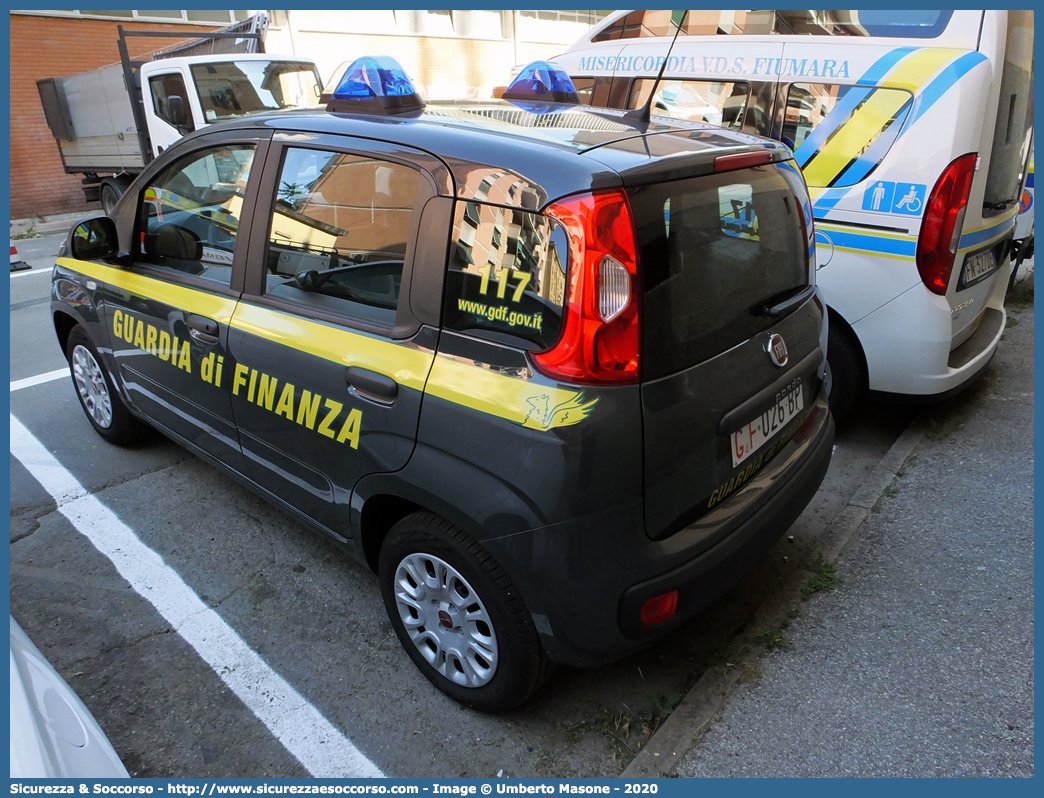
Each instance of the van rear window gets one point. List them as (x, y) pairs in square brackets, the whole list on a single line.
[(714, 251)]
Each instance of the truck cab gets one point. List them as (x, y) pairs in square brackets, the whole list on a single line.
[(181, 95)]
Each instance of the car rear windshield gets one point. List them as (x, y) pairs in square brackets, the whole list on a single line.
[(715, 250)]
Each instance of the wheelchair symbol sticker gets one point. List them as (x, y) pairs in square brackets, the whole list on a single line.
[(885, 196), (909, 198)]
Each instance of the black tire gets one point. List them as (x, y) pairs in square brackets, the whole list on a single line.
[(110, 195), (98, 397), (507, 663), (846, 373)]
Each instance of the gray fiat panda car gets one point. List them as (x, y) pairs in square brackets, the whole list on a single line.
[(554, 374)]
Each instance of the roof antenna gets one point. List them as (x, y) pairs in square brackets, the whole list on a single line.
[(642, 114)]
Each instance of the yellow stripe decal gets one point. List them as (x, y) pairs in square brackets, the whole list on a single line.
[(403, 363), (213, 306), (914, 71), (530, 404), (854, 136), (866, 123)]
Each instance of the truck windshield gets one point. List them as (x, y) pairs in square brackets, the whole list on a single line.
[(234, 88)]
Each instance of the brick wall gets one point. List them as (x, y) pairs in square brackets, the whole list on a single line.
[(50, 47)]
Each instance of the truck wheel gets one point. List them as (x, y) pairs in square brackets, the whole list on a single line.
[(110, 195), (100, 402), (458, 615), (845, 372)]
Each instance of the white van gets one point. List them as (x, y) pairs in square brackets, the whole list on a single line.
[(913, 130)]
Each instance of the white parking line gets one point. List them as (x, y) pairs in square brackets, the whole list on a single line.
[(46, 270), (298, 725), (39, 379)]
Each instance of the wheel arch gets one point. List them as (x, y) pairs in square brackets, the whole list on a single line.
[(63, 325), (453, 489), (838, 322)]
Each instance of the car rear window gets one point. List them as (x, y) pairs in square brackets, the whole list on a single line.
[(507, 275), (714, 251)]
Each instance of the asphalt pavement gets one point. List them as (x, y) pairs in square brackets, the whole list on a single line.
[(920, 662)]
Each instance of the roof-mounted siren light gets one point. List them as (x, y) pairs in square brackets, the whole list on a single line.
[(542, 81), (374, 85)]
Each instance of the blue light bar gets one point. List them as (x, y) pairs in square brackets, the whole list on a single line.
[(542, 82), (375, 85)]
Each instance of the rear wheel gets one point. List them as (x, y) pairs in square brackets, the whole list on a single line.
[(458, 615), (98, 397), (110, 195), (846, 374)]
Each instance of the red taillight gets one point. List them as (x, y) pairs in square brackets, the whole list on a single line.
[(659, 608), (942, 224), (599, 341)]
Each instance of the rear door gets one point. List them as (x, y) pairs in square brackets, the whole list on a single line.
[(330, 360), (731, 337)]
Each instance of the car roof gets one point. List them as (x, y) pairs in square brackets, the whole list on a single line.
[(559, 149)]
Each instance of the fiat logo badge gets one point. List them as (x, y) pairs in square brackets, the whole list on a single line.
[(777, 350)]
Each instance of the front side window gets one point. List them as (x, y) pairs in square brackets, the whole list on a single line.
[(190, 212), (507, 275), (695, 100), (840, 134), (340, 227), (234, 88), (163, 87)]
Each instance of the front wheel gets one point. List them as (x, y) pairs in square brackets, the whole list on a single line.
[(458, 615), (98, 397)]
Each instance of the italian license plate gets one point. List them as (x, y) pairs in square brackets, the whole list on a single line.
[(977, 267), (750, 437)]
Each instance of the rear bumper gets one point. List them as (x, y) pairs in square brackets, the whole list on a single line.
[(585, 580), (909, 343)]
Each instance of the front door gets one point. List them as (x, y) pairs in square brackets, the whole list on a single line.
[(169, 314)]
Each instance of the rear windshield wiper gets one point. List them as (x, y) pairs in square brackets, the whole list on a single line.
[(782, 304)]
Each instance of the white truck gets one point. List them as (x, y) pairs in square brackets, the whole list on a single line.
[(110, 122)]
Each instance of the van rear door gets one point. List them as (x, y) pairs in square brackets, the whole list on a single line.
[(731, 356)]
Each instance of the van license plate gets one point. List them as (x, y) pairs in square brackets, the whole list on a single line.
[(977, 267), (750, 437)]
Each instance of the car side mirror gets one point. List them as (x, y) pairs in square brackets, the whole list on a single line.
[(178, 114), (95, 239)]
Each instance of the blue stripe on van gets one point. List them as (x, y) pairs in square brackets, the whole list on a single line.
[(979, 237), (828, 199), (873, 244), (945, 80), (866, 162), (846, 107)]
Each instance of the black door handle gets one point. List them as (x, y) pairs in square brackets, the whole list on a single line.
[(203, 330), (372, 386)]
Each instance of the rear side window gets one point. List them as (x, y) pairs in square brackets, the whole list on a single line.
[(694, 100), (714, 251), (507, 275), (840, 134)]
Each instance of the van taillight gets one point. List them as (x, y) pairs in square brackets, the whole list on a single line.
[(599, 341), (942, 224)]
